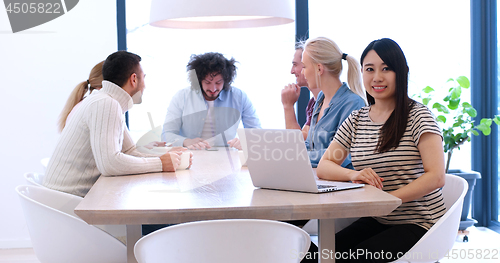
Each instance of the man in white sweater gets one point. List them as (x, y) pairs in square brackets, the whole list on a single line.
[(96, 141)]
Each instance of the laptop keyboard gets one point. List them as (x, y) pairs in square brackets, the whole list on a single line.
[(322, 186)]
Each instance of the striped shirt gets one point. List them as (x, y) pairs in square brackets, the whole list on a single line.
[(398, 167)]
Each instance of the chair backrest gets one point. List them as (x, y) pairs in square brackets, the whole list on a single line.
[(438, 241), (58, 235), (231, 240), (45, 163), (35, 179), (150, 136)]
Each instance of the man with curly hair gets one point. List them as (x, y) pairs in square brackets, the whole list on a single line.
[(208, 112)]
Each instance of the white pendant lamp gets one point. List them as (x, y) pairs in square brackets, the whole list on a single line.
[(207, 14)]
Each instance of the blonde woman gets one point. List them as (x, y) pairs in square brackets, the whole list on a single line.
[(78, 94), (322, 66)]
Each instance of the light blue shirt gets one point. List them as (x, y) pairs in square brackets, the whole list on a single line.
[(188, 109), (322, 131)]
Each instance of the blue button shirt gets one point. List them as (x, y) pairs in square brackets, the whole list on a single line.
[(188, 109), (322, 131)]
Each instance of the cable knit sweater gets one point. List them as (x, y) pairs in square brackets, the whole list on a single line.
[(96, 142)]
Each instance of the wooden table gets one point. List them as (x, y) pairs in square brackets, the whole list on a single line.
[(217, 187)]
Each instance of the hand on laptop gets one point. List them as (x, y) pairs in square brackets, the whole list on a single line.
[(367, 176)]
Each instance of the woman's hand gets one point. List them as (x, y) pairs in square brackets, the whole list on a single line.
[(367, 176), (170, 161)]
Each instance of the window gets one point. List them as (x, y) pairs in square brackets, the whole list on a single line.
[(496, 178), (264, 55)]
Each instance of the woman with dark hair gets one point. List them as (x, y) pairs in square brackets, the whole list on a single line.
[(395, 145)]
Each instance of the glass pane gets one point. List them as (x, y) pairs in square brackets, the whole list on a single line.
[(435, 36), (495, 194), (264, 55)]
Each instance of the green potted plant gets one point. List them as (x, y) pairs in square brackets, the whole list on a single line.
[(457, 118)]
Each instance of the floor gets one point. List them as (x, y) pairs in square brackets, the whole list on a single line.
[(483, 243)]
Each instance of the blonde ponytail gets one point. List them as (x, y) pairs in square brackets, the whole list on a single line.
[(78, 93), (324, 51), (74, 98)]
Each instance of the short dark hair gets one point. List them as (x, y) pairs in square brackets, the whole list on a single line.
[(395, 126), (212, 63), (119, 66)]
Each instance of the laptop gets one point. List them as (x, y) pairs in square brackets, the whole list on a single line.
[(278, 159)]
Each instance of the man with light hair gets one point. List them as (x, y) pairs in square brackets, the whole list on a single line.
[(291, 93)]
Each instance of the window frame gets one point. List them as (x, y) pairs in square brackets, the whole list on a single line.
[(484, 92)]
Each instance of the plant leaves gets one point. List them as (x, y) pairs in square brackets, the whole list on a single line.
[(441, 118), (464, 82), (453, 104), (447, 98), (428, 89), (484, 126), (484, 129), (497, 119), (425, 101), (475, 132), (448, 140), (486, 121), (466, 105), (458, 122), (471, 111), (440, 108), (456, 93)]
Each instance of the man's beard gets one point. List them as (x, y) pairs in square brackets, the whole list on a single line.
[(211, 97)]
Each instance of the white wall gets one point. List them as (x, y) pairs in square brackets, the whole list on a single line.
[(38, 69)]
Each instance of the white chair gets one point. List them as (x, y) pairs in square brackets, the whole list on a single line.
[(118, 231), (438, 241), (153, 135), (150, 136), (35, 179), (58, 235), (45, 163), (221, 241)]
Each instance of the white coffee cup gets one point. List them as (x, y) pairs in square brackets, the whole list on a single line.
[(185, 156), (161, 150)]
